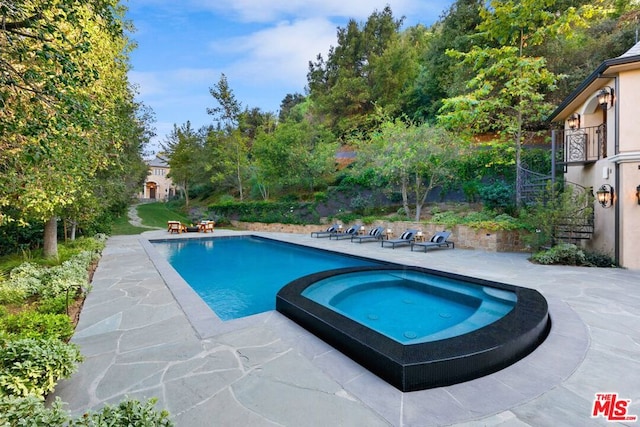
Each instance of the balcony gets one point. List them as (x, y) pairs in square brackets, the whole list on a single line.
[(580, 146)]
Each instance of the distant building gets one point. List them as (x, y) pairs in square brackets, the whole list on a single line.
[(157, 185)]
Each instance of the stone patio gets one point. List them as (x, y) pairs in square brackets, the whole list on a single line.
[(144, 333)]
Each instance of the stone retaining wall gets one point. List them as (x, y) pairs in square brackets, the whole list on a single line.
[(463, 236)]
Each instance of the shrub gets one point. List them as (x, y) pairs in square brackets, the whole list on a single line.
[(570, 254), (565, 254), (11, 295), (55, 305), (31, 324), (497, 196), (595, 259), (129, 412), (30, 279), (486, 219), (31, 411), (32, 367)]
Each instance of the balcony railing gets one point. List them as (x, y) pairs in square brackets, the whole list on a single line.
[(580, 146)]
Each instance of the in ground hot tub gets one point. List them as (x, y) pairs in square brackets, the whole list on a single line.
[(418, 328)]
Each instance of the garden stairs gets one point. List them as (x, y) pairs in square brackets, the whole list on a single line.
[(533, 186)]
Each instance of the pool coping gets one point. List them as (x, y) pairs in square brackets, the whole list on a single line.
[(564, 349)]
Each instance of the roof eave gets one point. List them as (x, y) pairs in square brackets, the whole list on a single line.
[(596, 74)]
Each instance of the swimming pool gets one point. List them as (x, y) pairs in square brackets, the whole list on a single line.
[(240, 276), (412, 307), (498, 325)]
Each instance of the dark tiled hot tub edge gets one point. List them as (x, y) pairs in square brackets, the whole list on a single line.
[(425, 365)]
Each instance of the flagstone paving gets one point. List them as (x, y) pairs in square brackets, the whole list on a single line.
[(144, 334)]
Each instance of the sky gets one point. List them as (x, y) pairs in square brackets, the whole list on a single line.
[(263, 47)]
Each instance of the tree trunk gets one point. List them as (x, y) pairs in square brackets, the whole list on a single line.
[(74, 227), (239, 172), (51, 238), (519, 182), (185, 185), (405, 196)]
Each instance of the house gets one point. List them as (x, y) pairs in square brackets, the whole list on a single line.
[(599, 149), (157, 185)]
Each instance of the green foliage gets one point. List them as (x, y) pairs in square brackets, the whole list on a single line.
[(267, 212), (498, 196), (54, 305), (572, 206), (70, 276), (30, 411), (414, 158), (471, 190), (362, 205), (296, 156), (347, 217), (32, 324), (570, 254), (344, 89), (11, 295), (486, 220), (184, 146), (320, 196), (71, 128), (129, 412), (32, 367)]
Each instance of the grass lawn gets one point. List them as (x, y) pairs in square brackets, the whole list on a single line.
[(157, 214), (152, 214), (122, 226)]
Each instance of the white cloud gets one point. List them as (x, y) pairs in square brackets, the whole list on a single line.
[(280, 53), (274, 10), (148, 83)]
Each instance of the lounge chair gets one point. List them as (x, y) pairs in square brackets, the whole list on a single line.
[(328, 232), (405, 239), (206, 226), (374, 234), (176, 227), (348, 233), (438, 240)]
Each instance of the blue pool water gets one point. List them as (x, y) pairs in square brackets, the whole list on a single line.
[(411, 307), (240, 276)]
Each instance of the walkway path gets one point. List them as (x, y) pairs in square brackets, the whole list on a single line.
[(134, 219), (144, 334)]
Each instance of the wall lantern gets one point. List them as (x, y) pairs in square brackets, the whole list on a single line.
[(604, 195), (574, 121), (605, 97), (638, 194)]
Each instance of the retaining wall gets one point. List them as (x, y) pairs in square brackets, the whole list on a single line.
[(464, 237)]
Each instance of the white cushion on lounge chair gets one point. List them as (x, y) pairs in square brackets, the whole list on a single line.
[(405, 235)]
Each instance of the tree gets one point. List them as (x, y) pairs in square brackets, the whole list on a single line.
[(442, 76), (296, 156), (417, 158), (288, 103), (63, 70), (341, 87), (228, 114), (508, 92), (183, 146)]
